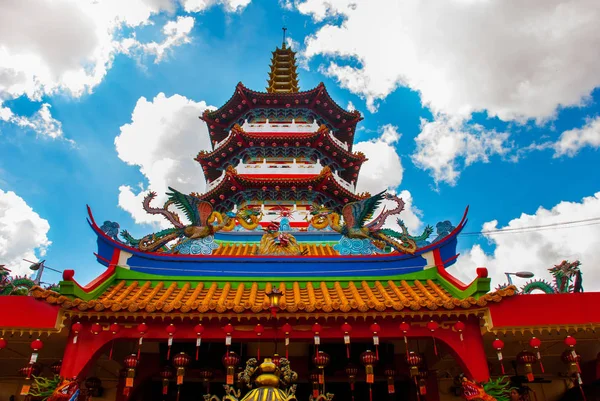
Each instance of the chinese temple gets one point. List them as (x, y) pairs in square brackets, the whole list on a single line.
[(280, 282)]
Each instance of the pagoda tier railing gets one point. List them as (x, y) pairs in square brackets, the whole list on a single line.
[(341, 144), (215, 183), (275, 169), (280, 127)]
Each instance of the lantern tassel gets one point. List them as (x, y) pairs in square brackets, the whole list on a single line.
[(112, 344), (198, 343), (370, 393), (435, 350)]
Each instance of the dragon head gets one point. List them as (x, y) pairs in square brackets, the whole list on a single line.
[(472, 390), (498, 390)]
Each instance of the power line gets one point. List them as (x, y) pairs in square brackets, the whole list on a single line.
[(541, 227)]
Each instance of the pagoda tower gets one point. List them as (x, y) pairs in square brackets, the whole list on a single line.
[(285, 150)]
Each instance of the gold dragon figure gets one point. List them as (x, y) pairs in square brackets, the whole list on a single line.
[(274, 242)]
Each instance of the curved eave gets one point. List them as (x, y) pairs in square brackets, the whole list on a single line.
[(241, 140), (243, 100)]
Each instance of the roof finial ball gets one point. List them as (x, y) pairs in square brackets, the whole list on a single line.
[(283, 29)]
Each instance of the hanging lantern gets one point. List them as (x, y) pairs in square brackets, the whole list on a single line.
[(369, 360), (573, 360), (346, 328), (142, 328), (206, 376), (166, 374), (230, 361), (31, 369), (198, 329), (526, 359), (390, 373), (404, 328), (351, 371), (314, 378), (56, 367), (376, 329), (36, 346), (171, 329), (228, 329), (93, 385), (3, 343), (258, 330), (131, 362), (321, 360), (96, 328), (535, 344), (498, 344), (181, 361), (76, 328), (433, 326), (287, 329), (414, 360), (316, 329), (114, 329), (460, 327), (422, 382)]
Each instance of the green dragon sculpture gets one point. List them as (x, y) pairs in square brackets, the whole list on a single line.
[(204, 222), (14, 285), (494, 390), (568, 278), (356, 214)]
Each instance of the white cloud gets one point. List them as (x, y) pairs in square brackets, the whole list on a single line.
[(162, 139), (176, 33), (446, 146), (384, 168), (539, 250), (23, 233), (570, 142), (516, 60), (42, 123), (201, 5)]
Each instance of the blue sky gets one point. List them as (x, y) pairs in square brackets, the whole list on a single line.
[(463, 107)]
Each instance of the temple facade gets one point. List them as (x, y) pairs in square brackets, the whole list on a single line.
[(281, 282)]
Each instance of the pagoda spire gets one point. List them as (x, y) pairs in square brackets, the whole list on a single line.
[(283, 77)]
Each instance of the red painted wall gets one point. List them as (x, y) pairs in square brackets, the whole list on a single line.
[(26, 312)]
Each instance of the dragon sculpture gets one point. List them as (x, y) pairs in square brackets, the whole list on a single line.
[(568, 278), (355, 226), (275, 242), (14, 285), (204, 222), (498, 390)]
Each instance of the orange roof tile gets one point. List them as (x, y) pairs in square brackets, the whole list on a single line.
[(248, 297)]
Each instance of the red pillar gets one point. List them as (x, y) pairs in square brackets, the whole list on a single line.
[(470, 353), (79, 356)]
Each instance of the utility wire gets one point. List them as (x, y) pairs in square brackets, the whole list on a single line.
[(568, 224)]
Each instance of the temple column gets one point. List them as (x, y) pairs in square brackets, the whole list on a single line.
[(469, 353), (79, 356)]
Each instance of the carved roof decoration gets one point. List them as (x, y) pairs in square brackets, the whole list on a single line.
[(244, 100), (240, 141)]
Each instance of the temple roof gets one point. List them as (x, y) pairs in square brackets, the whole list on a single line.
[(192, 297), (321, 141), (245, 101), (322, 189)]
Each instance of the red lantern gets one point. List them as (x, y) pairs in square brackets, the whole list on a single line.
[(526, 359), (77, 327), (376, 329), (433, 326), (206, 375), (404, 328), (535, 344), (181, 361), (460, 327), (3, 343), (142, 328), (258, 330), (574, 360), (498, 344), (171, 329), (321, 360), (36, 345), (96, 328), (346, 328), (414, 360), (230, 361), (228, 329), (166, 374), (31, 369), (131, 362), (351, 372), (199, 329), (369, 360), (287, 329), (390, 373), (316, 329), (56, 367)]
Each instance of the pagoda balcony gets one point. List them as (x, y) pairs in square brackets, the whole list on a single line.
[(215, 183), (280, 127)]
